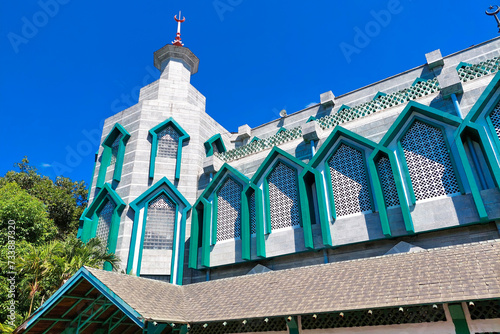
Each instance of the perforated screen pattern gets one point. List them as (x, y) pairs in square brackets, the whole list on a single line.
[(114, 149), (349, 181), (104, 222), (168, 141), (387, 181), (283, 197), (495, 119), (229, 211), (428, 161), (160, 221)]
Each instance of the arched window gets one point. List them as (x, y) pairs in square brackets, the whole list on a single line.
[(428, 162), (160, 221), (168, 141), (283, 197), (349, 181), (253, 217), (229, 211), (104, 222), (495, 119), (387, 181), (114, 149)]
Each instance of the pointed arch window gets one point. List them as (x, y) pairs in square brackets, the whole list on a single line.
[(283, 197), (229, 210), (349, 180), (387, 182), (104, 222), (113, 154), (429, 163), (159, 231), (495, 119)]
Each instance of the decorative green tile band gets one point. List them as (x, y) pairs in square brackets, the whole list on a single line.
[(419, 89), (470, 72), (260, 144)]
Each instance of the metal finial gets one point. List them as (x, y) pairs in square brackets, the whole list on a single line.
[(178, 41), (494, 12)]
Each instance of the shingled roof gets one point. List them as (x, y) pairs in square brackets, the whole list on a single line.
[(449, 274)]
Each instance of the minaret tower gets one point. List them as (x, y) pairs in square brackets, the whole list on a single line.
[(149, 167)]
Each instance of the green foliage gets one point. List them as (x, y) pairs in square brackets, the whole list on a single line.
[(42, 216), (43, 269), (65, 199), (26, 216)]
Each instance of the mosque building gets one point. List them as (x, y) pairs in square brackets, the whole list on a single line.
[(377, 211)]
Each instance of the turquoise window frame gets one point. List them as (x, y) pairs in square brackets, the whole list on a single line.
[(142, 201), (183, 137), (206, 225), (328, 176), (217, 141), (107, 153), (91, 218)]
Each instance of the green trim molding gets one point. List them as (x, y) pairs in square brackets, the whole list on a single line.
[(70, 284), (217, 141), (208, 229), (280, 130), (379, 94), (163, 186), (183, 136), (458, 317), (107, 153), (361, 144), (90, 217), (310, 119)]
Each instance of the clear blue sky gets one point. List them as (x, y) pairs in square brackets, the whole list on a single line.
[(65, 68)]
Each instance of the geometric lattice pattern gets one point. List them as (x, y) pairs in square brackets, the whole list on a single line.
[(428, 161), (160, 222), (104, 222), (486, 309), (377, 317), (252, 325), (495, 119), (253, 218), (168, 140), (471, 72), (229, 211), (283, 197), (260, 144), (387, 181), (420, 89), (349, 181), (114, 149)]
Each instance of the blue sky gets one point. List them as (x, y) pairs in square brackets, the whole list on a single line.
[(66, 65)]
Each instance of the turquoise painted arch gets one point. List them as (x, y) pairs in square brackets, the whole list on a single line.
[(116, 131), (163, 186), (90, 218), (183, 137)]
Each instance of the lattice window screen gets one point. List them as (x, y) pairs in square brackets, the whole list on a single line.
[(229, 211), (168, 141), (114, 149), (428, 162), (160, 222), (104, 222), (495, 119), (253, 217), (349, 181), (387, 181), (283, 197)]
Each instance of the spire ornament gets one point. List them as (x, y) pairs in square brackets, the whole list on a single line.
[(494, 10), (178, 41)]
